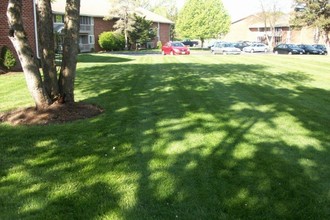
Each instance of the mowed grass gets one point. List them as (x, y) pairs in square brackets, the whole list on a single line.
[(182, 137)]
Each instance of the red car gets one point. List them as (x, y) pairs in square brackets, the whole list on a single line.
[(175, 48)]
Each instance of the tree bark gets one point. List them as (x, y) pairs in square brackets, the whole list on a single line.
[(26, 56), (46, 40), (70, 50)]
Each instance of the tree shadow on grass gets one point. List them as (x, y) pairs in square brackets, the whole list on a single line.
[(93, 58), (187, 141), (98, 198)]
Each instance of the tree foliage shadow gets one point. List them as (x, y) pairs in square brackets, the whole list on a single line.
[(147, 104)]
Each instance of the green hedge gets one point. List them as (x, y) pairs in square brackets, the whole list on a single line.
[(110, 41)]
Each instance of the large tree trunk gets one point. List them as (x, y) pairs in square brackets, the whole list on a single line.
[(28, 60), (46, 40), (70, 50)]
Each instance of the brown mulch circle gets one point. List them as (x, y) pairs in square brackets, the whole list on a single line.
[(56, 113)]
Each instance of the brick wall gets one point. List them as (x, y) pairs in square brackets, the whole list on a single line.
[(164, 33), (100, 26), (3, 24), (303, 36), (28, 23), (240, 31)]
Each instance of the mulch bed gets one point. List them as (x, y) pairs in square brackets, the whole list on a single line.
[(56, 113)]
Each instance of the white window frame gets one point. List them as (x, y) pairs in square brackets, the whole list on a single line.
[(91, 39)]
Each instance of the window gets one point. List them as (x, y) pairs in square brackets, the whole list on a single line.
[(86, 20), (91, 39), (58, 18), (83, 39), (278, 40), (277, 29)]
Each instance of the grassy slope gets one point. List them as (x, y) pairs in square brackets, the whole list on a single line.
[(188, 137)]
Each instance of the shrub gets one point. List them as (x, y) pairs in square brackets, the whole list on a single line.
[(111, 41), (7, 58), (159, 44)]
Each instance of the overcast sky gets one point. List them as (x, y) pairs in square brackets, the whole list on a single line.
[(242, 8)]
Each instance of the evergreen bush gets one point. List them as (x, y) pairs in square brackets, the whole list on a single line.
[(7, 58)]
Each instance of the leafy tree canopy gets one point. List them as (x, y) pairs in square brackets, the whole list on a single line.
[(166, 8), (124, 10), (203, 19), (314, 13)]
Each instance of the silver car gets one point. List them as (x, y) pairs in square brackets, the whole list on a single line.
[(224, 48), (258, 47)]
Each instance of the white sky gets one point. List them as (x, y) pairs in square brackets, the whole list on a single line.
[(242, 8)]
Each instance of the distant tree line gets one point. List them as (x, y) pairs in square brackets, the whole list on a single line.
[(316, 14)]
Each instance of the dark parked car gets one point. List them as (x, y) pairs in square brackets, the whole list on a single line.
[(190, 43), (321, 47), (240, 45), (288, 49), (310, 49)]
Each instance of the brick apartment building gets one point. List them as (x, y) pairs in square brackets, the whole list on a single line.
[(28, 19), (92, 23), (250, 28)]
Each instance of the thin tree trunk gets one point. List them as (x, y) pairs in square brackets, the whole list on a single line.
[(70, 50), (26, 56), (326, 39), (46, 40), (125, 30), (316, 35), (271, 41)]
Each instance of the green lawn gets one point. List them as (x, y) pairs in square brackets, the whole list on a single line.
[(182, 137)]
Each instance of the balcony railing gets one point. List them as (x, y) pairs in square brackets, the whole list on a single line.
[(269, 33), (86, 47), (86, 28)]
